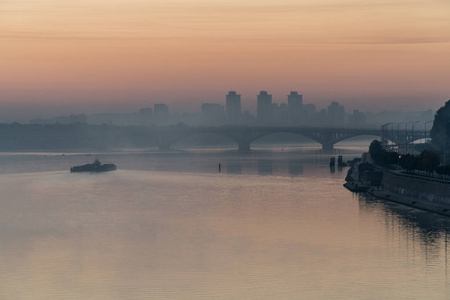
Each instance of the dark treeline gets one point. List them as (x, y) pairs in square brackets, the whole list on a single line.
[(427, 160)]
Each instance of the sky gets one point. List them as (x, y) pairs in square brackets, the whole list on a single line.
[(59, 57)]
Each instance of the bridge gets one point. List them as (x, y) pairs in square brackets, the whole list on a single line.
[(402, 140), (15, 136), (245, 135)]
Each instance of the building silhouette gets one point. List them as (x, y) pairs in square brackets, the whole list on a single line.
[(335, 114), (233, 107), (264, 108), (295, 108)]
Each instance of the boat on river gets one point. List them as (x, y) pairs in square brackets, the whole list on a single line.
[(96, 166)]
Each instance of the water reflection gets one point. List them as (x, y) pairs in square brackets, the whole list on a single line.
[(424, 234), (426, 222), (234, 168), (191, 232), (295, 168), (265, 167)]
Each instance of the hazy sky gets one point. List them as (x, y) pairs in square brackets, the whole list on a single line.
[(119, 55)]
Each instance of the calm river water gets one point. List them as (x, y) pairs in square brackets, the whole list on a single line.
[(271, 225)]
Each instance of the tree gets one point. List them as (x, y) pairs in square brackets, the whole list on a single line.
[(440, 132), (443, 170), (428, 161), (376, 151), (380, 156), (389, 158), (408, 162)]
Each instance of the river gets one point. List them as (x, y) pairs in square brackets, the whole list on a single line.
[(272, 224)]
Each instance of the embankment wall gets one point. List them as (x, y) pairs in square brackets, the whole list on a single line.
[(419, 187)]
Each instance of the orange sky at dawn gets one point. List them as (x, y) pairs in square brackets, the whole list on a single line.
[(116, 54)]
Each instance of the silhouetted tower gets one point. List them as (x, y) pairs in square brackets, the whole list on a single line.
[(295, 107), (233, 107), (264, 107)]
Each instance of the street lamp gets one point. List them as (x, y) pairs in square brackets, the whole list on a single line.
[(383, 133), (406, 136), (392, 136), (413, 140), (445, 142), (398, 135), (426, 130)]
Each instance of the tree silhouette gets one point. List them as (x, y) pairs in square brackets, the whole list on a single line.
[(428, 161), (441, 127), (376, 151), (408, 162)]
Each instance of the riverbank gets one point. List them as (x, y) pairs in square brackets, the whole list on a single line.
[(430, 206), (421, 192), (356, 187), (422, 188)]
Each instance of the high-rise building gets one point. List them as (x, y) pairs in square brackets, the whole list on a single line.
[(295, 107), (264, 109), (335, 113), (233, 107)]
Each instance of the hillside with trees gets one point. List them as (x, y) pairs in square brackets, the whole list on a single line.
[(440, 132)]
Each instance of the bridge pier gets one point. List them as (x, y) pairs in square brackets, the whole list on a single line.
[(328, 146), (244, 135), (244, 146), (164, 146)]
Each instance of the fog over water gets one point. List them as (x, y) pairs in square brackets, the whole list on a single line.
[(271, 225)]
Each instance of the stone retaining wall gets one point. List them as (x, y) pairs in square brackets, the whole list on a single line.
[(426, 188)]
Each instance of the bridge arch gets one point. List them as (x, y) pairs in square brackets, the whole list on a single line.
[(187, 135), (245, 135), (369, 136), (284, 137), (274, 132), (166, 140)]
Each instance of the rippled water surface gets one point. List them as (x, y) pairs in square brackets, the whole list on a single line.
[(270, 225)]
